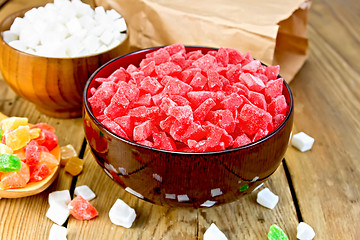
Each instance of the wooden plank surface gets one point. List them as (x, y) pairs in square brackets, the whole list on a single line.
[(327, 99)]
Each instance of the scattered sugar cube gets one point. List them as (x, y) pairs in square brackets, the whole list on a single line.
[(62, 197), (121, 214), (302, 141), (267, 199), (305, 231), (58, 213), (214, 233), (216, 192), (85, 192), (183, 198), (57, 232)]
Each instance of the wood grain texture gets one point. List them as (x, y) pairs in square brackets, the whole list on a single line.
[(326, 179)]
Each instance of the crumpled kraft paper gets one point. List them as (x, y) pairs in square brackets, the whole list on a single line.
[(273, 30)]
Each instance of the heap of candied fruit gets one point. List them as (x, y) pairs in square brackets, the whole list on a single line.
[(25, 152), (191, 101)]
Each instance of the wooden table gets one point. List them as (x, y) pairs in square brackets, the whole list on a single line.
[(319, 187)]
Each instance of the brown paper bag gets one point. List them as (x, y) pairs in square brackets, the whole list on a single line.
[(273, 30)]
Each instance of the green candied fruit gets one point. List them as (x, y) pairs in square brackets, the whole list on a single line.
[(276, 233), (1, 133), (244, 188), (9, 163)]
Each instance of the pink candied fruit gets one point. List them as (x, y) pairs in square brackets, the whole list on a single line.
[(190, 101), (82, 209)]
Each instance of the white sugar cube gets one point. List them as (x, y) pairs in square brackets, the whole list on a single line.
[(99, 12), (58, 213), (305, 231), (85, 192), (106, 37), (267, 199), (18, 25), (62, 197), (113, 14), (302, 141), (57, 232), (183, 198), (120, 25), (9, 36), (121, 214), (214, 233), (73, 25), (19, 45)]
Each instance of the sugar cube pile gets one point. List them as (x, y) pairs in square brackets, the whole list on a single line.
[(214, 233), (305, 231), (267, 199), (66, 29), (302, 141), (122, 214)]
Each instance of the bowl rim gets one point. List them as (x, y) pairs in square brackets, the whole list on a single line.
[(21, 12), (87, 108)]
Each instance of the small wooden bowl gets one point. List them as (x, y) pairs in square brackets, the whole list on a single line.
[(54, 85), (183, 179)]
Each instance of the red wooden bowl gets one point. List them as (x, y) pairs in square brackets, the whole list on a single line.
[(183, 179), (54, 85)]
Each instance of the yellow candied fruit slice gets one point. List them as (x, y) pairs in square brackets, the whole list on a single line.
[(35, 133), (5, 149), (74, 166), (48, 159), (13, 123), (18, 138), (67, 152)]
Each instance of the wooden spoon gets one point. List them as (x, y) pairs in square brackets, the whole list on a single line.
[(33, 188)]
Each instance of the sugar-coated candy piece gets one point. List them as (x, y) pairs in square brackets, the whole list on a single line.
[(32, 154), (214, 233), (143, 131), (48, 159), (253, 118), (35, 133), (58, 213), (5, 149), (252, 82), (67, 152), (18, 138), (267, 199), (162, 141), (85, 192), (302, 141), (60, 197), (82, 209), (47, 139), (9, 163), (57, 232), (305, 231), (74, 166), (241, 140), (40, 172), (252, 66), (12, 123), (276, 233), (17, 179), (122, 214), (203, 109), (278, 106)]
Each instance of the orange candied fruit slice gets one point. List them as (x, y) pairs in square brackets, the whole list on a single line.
[(17, 179), (48, 159), (13, 123), (18, 138), (67, 152), (74, 166)]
